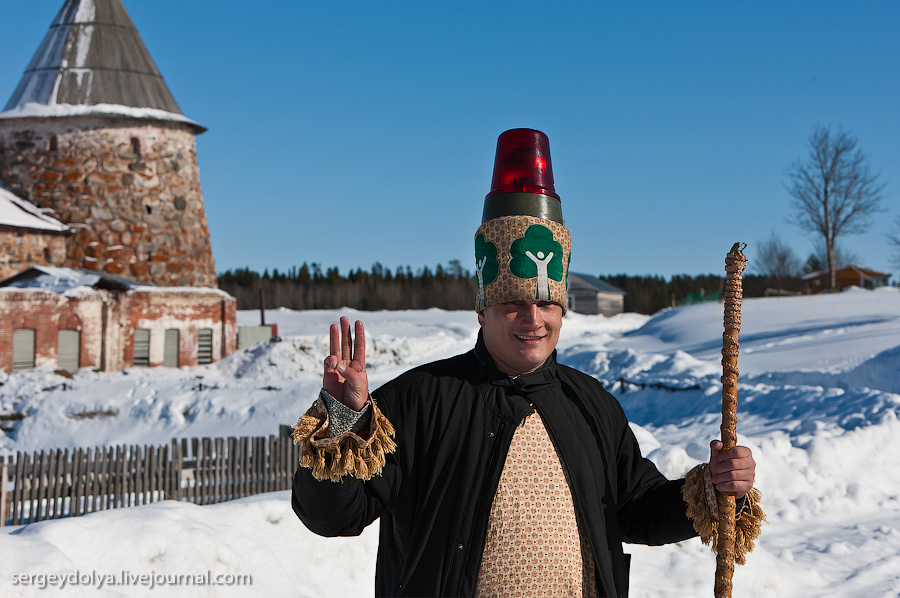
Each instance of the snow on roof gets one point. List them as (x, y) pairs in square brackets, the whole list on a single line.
[(72, 281), (178, 290), (586, 281), (856, 267), (93, 61), (37, 110), (55, 280), (18, 213)]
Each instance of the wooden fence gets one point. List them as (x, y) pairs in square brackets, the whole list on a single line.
[(69, 483)]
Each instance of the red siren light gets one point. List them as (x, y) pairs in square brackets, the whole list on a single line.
[(522, 164)]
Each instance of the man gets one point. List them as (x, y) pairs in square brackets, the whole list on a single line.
[(498, 472)]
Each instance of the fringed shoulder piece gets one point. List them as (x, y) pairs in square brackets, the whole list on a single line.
[(700, 496), (333, 457)]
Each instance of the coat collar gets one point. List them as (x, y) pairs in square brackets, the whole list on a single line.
[(526, 383)]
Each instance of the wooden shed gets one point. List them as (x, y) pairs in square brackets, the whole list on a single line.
[(591, 295)]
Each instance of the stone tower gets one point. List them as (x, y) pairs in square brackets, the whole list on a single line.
[(93, 133)]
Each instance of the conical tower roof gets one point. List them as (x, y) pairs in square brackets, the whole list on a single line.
[(93, 61)]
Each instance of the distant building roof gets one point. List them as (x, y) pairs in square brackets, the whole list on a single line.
[(17, 213), (854, 267), (581, 282), (93, 61), (68, 281), (60, 280)]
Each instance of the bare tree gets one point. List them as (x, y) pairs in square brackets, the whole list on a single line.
[(818, 258), (894, 240), (775, 258), (834, 192)]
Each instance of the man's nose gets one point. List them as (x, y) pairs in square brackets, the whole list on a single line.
[(533, 316)]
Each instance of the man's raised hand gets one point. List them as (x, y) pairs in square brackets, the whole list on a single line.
[(345, 367)]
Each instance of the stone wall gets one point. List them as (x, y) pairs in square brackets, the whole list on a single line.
[(21, 249), (129, 187)]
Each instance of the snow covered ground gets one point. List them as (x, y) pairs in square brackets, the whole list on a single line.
[(819, 396)]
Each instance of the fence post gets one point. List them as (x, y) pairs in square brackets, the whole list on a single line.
[(118, 487), (219, 470), (232, 469), (62, 487), (4, 469), (42, 479), (77, 474), (165, 466), (176, 467), (271, 462), (245, 466), (89, 477), (37, 486), (144, 464)]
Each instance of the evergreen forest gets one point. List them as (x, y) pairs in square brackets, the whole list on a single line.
[(453, 287)]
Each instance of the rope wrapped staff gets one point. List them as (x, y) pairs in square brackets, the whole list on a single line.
[(735, 262), (731, 535)]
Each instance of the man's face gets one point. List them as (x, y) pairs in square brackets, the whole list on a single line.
[(521, 335)]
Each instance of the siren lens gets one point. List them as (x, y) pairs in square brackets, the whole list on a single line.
[(522, 164)]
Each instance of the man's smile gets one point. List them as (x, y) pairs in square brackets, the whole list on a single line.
[(521, 335)]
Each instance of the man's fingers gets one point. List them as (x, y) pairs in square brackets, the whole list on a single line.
[(732, 475), (733, 470), (737, 455), (345, 367), (359, 347), (335, 342), (346, 354), (738, 481)]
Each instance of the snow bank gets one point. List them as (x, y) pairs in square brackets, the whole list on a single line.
[(819, 396)]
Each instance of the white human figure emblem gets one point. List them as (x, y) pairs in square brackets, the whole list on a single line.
[(543, 280), (479, 272)]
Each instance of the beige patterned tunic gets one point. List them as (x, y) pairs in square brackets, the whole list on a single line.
[(533, 545)]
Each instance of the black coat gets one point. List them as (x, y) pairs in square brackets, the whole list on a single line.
[(454, 421)]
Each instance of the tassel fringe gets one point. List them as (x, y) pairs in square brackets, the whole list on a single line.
[(748, 524), (349, 454)]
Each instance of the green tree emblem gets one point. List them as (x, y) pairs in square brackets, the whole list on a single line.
[(537, 255), (486, 265)]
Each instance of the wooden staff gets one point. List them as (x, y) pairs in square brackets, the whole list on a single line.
[(735, 262)]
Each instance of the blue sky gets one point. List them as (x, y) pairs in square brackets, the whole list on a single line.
[(346, 133)]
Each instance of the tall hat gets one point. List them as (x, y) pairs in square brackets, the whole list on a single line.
[(522, 248)]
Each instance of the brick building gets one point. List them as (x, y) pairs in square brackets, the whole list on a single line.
[(28, 237), (97, 156), (65, 319)]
